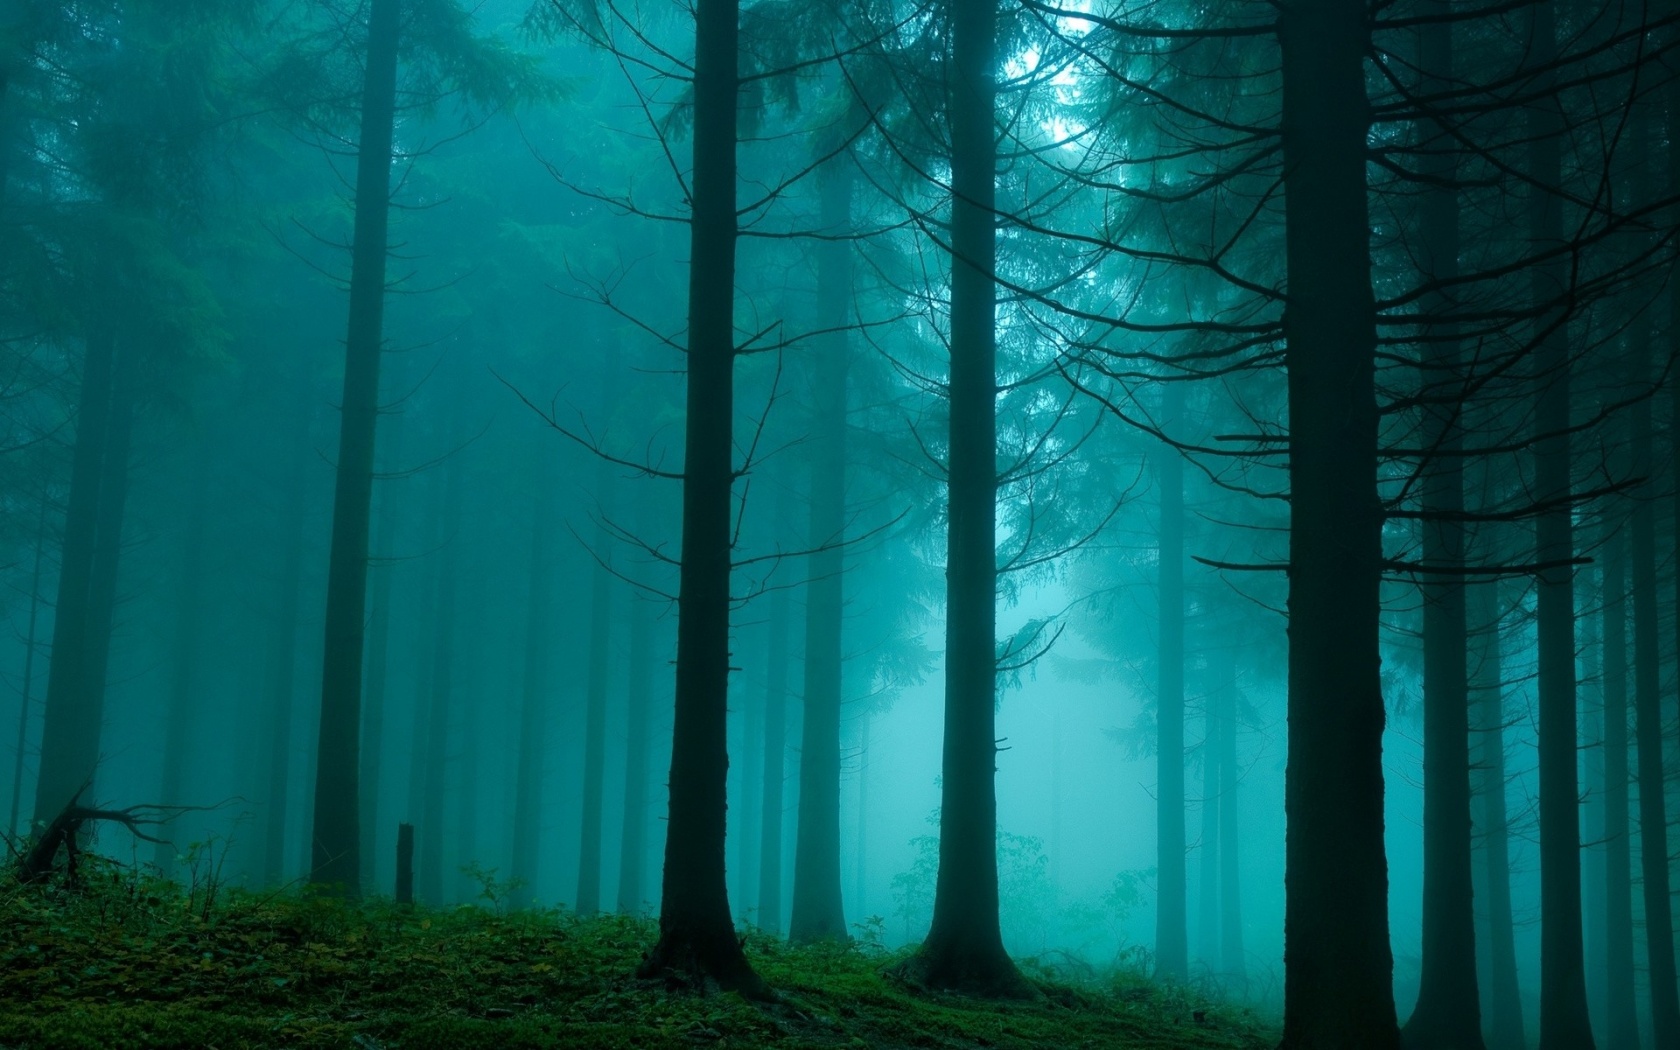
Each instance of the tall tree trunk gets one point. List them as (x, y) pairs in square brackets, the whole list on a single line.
[(183, 710), (26, 689), (1647, 657), (1172, 949), (1592, 801), (1504, 1016), (1621, 1024), (818, 908), (595, 720), (695, 928), (377, 669), (964, 948), (1448, 1011), (281, 679), (775, 753), (1233, 959), (1563, 991), (434, 772), (1207, 894), (337, 838), (861, 857), (1338, 966), (534, 706), (72, 717), (639, 705)]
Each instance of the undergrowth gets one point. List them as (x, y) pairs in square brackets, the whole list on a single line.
[(126, 960)]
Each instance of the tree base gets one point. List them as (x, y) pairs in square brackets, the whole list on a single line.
[(978, 974), (1426, 1030), (687, 959)]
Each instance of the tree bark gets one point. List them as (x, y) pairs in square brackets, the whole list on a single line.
[(964, 948), (1621, 1022), (775, 755), (818, 908), (696, 932), (1172, 950), (1338, 966), (336, 854)]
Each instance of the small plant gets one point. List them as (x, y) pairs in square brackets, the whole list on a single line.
[(496, 891)]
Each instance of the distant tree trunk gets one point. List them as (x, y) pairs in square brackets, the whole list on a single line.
[(1648, 697), (818, 908), (434, 779), (639, 703), (775, 753), (862, 854), (695, 928), (1207, 895), (595, 714), (1563, 991), (1504, 1019), (1338, 967), (26, 689), (1172, 950), (280, 678), (1622, 1023), (534, 707), (964, 948), (464, 740), (1233, 960), (749, 785), (1448, 1011), (337, 838), (1592, 798), (378, 663), (74, 705), (183, 711)]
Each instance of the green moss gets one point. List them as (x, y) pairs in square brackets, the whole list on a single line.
[(123, 963)]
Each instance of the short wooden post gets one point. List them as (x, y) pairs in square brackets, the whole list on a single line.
[(405, 863)]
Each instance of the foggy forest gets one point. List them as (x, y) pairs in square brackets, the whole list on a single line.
[(840, 523)]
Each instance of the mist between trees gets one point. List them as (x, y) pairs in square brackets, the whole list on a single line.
[(1181, 488)]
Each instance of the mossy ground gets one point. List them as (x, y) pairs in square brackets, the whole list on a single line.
[(123, 962)]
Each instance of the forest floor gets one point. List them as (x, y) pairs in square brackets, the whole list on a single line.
[(123, 961)]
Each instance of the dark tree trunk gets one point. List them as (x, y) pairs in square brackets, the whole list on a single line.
[(1592, 803), (26, 688), (378, 663), (336, 841), (775, 754), (1448, 1011), (534, 706), (1233, 960), (638, 694), (1621, 1022), (964, 948), (183, 711), (74, 704), (1647, 657), (1172, 949), (1338, 967), (1563, 991), (1504, 1019), (595, 717), (818, 909), (696, 932)]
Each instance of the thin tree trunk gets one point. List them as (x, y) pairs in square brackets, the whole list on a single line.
[(964, 948), (639, 699), (695, 928), (1504, 1019), (861, 859), (775, 754), (337, 838), (1621, 1024), (1232, 956), (1592, 804), (281, 679), (434, 778), (595, 720), (818, 908), (1448, 1011), (1207, 895), (71, 722), (27, 688), (534, 707), (377, 669), (1648, 698), (1172, 949), (1338, 966), (182, 699)]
